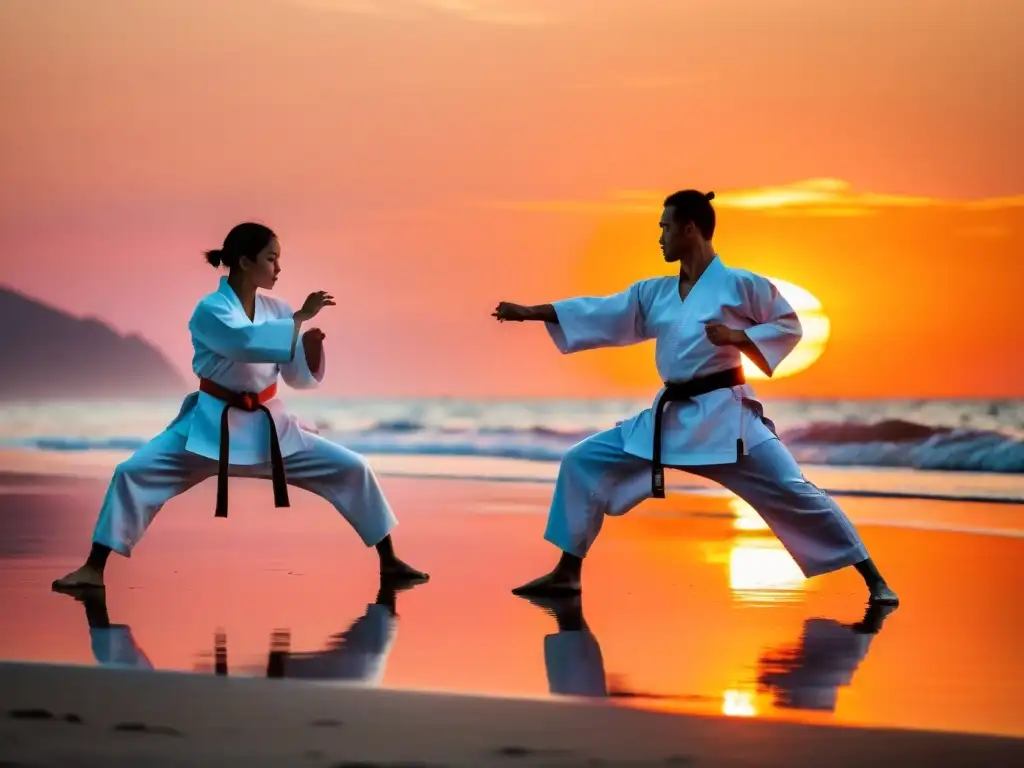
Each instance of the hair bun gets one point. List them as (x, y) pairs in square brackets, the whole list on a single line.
[(213, 257), (709, 196)]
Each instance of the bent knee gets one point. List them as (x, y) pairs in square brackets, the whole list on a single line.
[(801, 492), (132, 466), (350, 464), (588, 452)]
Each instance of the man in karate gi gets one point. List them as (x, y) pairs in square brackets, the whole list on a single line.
[(706, 420)]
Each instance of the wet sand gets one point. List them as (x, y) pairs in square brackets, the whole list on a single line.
[(688, 609)]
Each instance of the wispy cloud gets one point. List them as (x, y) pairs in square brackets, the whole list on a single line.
[(507, 13), (809, 197)]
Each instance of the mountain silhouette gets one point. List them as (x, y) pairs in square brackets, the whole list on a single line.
[(49, 354)]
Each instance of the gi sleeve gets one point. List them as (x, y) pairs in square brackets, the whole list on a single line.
[(776, 330), (296, 373), (229, 333), (593, 322)]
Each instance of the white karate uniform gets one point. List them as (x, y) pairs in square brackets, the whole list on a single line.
[(610, 473), (115, 646), (574, 664), (358, 655), (242, 356), (810, 676)]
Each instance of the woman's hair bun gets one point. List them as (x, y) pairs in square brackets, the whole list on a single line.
[(213, 257), (709, 196)]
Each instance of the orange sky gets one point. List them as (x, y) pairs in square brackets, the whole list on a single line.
[(424, 159)]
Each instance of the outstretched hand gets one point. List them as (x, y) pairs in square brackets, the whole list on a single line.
[(314, 303), (506, 310), (723, 336)]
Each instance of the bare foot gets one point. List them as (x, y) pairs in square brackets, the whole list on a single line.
[(554, 583), (84, 577), (398, 572), (882, 595)]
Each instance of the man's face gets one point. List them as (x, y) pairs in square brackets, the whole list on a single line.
[(676, 239)]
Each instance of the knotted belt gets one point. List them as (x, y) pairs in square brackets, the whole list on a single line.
[(251, 402), (684, 390)]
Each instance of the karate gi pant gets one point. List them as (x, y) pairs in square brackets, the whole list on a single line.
[(574, 664), (163, 469), (597, 478)]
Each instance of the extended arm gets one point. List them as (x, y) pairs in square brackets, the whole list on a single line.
[(230, 334), (587, 322), (543, 312)]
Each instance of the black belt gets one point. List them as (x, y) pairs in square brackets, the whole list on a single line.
[(251, 402), (684, 390)]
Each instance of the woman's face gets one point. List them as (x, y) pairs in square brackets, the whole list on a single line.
[(265, 266)]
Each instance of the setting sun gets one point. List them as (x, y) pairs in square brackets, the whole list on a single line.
[(816, 332)]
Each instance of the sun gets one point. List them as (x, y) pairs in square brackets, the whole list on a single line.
[(816, 329), (633, 367)]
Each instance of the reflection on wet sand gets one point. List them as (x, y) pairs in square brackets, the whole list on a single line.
[(112, 644), (357, 654), (572, 655), (809, 674), (679, 611), (760, 568)]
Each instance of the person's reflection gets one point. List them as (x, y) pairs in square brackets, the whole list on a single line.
[(572, 655), (358, 654), (112, 644), (809, 674)]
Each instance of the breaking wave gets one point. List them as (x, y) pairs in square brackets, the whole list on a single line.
[(891, 443)]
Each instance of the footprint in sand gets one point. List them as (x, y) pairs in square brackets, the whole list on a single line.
[(30, 714), (42, 714), (159, 730)]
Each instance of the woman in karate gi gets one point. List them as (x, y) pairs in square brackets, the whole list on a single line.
[(235, 425), (712, 423)]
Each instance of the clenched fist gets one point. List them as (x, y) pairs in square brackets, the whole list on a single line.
[(506, 310), (313, 346), (723, 336)]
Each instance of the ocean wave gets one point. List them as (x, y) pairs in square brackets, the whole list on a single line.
[(888, 443), (908, 445)]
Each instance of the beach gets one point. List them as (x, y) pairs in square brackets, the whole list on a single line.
[(691, 610)]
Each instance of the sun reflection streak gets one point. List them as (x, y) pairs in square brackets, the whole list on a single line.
[(744, 516), (760, 568), (738, 704)]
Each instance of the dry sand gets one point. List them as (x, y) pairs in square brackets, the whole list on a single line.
[(60, 716)]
